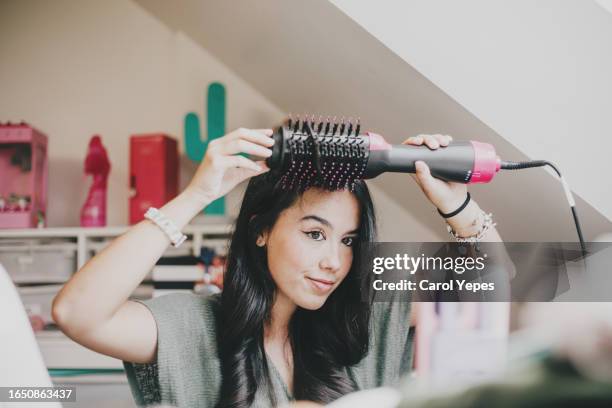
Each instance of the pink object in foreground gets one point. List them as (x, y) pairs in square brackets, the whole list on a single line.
[(93, 213)]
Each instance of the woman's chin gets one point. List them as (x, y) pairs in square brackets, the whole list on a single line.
[(311, 302)]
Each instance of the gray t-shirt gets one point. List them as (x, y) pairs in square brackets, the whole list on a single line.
[(187, 371)]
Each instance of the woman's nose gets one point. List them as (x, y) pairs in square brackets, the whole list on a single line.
[(331, 258)]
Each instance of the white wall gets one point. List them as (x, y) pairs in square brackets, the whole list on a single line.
[(76, 68), (536, 72)]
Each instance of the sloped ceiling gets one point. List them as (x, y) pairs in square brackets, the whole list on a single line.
[(309, 57), (536, 72)]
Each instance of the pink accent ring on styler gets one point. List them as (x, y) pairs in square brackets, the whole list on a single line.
[(486, 162), (377, 142)]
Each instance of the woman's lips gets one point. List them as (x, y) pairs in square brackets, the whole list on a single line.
[(321, 285)]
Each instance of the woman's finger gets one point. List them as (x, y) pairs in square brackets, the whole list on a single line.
[(416, 179), (445, 140), (426, 180), (243, 162), (259, 136), (414, 140), (236, 146), (263, 165), (429, 140), (267, 132), (432, 141)]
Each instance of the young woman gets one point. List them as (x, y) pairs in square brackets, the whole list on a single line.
[(290, 323)]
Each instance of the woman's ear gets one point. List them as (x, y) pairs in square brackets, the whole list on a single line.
[(261, 239)]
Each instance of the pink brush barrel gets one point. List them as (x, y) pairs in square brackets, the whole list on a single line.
[(486, 162)]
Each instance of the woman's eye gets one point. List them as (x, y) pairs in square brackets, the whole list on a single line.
[(349, 241), (314, 235)]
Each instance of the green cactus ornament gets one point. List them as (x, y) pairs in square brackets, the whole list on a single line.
[(195, 144)]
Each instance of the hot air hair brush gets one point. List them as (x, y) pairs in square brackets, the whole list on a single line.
[(334, 154)]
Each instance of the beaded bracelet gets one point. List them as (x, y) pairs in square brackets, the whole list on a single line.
[(166, 225), (487, 224)]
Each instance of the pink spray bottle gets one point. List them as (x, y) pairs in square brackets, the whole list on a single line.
[(93, 213)]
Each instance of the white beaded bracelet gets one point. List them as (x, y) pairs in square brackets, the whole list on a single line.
[(163, 222), (486, 225)]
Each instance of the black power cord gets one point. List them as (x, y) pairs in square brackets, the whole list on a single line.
[(506, 165)]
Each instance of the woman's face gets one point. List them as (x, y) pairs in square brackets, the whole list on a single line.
[(309, 249)]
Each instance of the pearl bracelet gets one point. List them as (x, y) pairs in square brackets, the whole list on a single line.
[(487, 224), (166, 225)]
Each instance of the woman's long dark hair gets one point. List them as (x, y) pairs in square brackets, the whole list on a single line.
[(324, 341)]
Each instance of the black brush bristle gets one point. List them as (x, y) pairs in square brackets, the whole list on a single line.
[(329, 154)]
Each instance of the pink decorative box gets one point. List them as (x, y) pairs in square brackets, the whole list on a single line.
[(23, 176)]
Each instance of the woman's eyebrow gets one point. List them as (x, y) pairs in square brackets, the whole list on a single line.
[(324, 222)]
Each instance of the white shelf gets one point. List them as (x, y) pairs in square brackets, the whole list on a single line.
[(203, 231), (67, 232)]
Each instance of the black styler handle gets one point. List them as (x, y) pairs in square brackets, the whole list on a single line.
[(454, 162)]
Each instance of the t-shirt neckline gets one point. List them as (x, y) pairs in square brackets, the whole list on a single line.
[(279, 377)]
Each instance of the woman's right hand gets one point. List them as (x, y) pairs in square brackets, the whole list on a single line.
[(223, 168)]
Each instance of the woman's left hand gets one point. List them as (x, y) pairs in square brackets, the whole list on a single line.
[(446, 196)]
